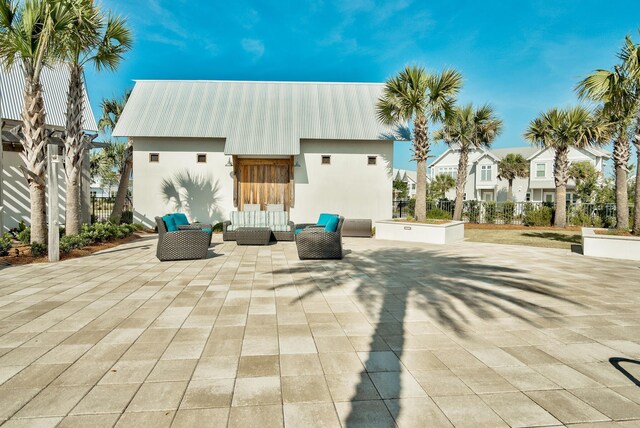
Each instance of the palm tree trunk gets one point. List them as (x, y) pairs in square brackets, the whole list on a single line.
[(74, 150), (510, 191), (461, 180), (123, 185), (34, 156), (561, 175), (421, 151), (620, 162)]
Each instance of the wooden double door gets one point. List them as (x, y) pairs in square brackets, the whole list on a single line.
[(264, 181)]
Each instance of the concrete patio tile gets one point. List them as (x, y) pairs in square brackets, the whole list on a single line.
[(305, 389), (364, 414), (157, 396), (83, 373), (631, 392), (531, 355), (496, 357), (484, 381), (458, 359), (310, 415), (396, 385), (326, 344), (441, 382), (128, 372), (518, 410), (63, 354), (469, 411), (35, 376), (525, 378), (11, 400), (296, 345), (417, 412), (172, 370), (368, 343), (609, 403), (259, 366), (351, 387), (183, 351), (33, 423), (566, 407), (565, 376), (7, 372), (260, 346), (341, 362), (213, 418), (256, 417), (53, 401), (257, 391), (421, 360), (208, 393), (106, 399), (146, 419), (93, 421), (384, 361), (216, 368)]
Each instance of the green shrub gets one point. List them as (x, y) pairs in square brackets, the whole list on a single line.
[(438, 214), (578, 217), (490, 211), (609, 222), (38, 249), (24, 235), (5, 243), (410, 207), (71, 242), (508, 212), (537, 216), (472, 210), (127, 217), (596, 221), (217, 227), (137, 226)]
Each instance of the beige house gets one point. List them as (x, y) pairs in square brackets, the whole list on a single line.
[(207, 148)]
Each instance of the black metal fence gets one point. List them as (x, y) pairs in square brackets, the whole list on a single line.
[(101, 207), (521, 213)]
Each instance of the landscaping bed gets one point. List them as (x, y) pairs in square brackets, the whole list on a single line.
[(546, 237), (612, 244)]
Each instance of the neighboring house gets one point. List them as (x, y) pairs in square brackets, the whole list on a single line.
[(208, 147), (14, 191), (482, 177), (409, 177)]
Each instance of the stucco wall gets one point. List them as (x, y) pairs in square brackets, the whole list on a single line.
[(204, 191)]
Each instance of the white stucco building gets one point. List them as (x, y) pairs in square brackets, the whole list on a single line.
[(482, 173), (206, 148)]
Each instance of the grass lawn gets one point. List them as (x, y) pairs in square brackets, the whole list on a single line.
[(533, 237)]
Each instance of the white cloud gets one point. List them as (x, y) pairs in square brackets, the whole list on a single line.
[(253, 46)]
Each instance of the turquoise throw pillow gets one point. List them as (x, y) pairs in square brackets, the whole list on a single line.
[(170, 222), (180, 219), (324, 218), (207, 230), (332, 224), (299, 230)]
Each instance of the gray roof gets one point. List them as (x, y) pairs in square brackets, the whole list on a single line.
[(55, 84), (524, 151), (255, 118)]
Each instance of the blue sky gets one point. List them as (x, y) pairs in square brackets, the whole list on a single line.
[(522, 57)]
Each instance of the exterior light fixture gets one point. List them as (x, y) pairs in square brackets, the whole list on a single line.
[(297, 164), (229, 162)]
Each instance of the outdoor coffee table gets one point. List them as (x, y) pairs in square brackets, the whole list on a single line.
[(253, 235)]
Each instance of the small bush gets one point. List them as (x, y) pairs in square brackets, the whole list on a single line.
[(217, 227), (472, 210), (578, 217), (410, 207), (537, 216), (38, 249), (137, 226), (490, 212), (24, 235), (508, 212), (438, 214), (5, 243), (127, 217)]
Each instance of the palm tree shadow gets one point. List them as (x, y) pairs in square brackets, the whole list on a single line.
[(194, 194), (573, 239), (394, 286)]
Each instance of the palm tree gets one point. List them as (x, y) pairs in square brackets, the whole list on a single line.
[(559, 130), (414, 95), (617, 91), (441, 184), (468, 128), (510, 167), (30, 34), (100, 40), (111, 111)]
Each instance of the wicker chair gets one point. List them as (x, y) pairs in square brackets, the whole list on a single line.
[(187, 244), (316, 243)]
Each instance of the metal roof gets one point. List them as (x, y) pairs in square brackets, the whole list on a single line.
[(255, 118), (525, 152), (55, 84)]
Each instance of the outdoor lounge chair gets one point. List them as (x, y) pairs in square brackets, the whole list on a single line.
[(318, 243), (187, 244)]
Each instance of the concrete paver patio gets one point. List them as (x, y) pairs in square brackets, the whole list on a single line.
[(395, 334)]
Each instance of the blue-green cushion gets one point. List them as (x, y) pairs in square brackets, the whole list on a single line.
[(207, 230), (324, 219), (180, 219), (299, 230), (332, 224), (170, 222)]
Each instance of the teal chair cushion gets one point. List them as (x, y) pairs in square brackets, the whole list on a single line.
[(324, 219), (170, 222), (207, 230), (180, 219), (299, 230), (332, 224)]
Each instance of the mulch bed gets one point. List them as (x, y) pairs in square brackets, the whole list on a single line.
[(516, 227), (615, 232), (24, 256)]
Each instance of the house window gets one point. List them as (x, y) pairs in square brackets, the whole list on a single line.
[(202, 158), (464, 196), (154, 157), (541, 170), (60, 150), (528, 197), (372, 160), (413, 186), (485, 173), (448, 170), (326, 160)]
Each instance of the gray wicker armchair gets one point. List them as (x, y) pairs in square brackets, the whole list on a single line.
[(187, 244), (316, 243)]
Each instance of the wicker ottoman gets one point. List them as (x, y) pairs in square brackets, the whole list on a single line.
[(253, 235)]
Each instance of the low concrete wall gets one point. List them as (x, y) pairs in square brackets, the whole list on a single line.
[(609, 246), (445, 233)]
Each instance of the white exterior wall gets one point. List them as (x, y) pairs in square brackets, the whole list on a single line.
[(348, 186), (205, 192)]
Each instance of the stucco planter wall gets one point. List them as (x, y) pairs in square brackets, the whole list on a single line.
[(609, 246), (445, 233)]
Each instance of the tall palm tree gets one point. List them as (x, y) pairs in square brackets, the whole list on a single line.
[(617, 91), (98, 39), (510, 167), (559, 130), (111, 112), (30, 34), (468, 128), (414, 95)]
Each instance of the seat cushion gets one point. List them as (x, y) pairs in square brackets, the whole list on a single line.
[(248, 219), (299, 230), (332, 224), (277, 218), (170, 223), (324, 219), (180, 219), (207, 230)]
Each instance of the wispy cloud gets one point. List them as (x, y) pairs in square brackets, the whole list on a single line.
[(254, 47)]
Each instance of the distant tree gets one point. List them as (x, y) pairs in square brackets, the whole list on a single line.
[(510, 167), (441, 184), (401, 189), (586, 177)]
